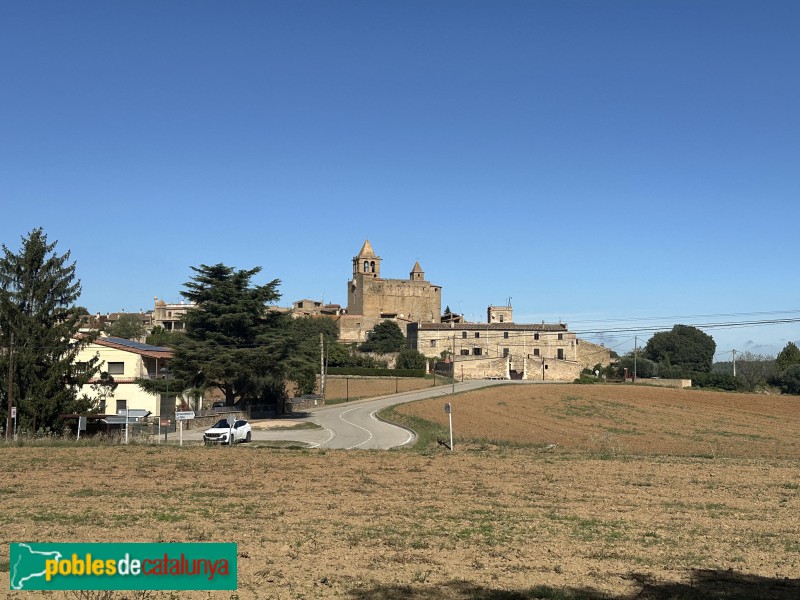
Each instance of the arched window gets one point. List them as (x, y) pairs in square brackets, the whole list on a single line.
[(366, 266), (373, 266)]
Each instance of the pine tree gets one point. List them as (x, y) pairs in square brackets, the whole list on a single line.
[(38, 290)]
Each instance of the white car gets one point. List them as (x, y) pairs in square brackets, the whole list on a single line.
[(224, 433)]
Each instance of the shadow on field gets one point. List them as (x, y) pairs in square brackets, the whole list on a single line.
[(702, 585)]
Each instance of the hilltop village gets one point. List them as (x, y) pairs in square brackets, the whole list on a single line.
[(498, 348)]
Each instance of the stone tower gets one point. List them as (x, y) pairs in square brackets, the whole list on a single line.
[(366, 263), (369, 294)]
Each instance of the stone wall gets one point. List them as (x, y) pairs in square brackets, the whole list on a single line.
[(671, 383), (480, 368), (411, 300), (590, 354), (550, 369)]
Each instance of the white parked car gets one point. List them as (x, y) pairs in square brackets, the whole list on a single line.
[(223, 433)]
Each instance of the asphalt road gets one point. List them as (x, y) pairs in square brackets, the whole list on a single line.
[(353, 425)]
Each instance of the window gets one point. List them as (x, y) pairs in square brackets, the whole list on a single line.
[(463, 334), (80, 368), (116, 368), (366, 266), (505, 335), (477, 351), (121, 405), (477, 334), (501, 318), (465, 352), (560, 354), (536, 352), (505, 352), (372, 265), (433, 343), (536, 336), (561, 336)]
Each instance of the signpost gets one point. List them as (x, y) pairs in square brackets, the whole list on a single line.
[(81, 426), (449, 410), (180, 417), (14, 416)]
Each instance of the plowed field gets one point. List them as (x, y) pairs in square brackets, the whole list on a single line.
[(608, 514), (617, 419)]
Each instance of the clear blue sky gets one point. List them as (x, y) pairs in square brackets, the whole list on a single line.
[(594, 161)]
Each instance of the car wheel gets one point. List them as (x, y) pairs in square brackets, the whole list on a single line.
[(248, 437)]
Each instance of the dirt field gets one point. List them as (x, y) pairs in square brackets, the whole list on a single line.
[(618, 420), (488, 522)]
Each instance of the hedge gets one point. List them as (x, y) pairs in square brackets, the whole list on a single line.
[(365, 372)]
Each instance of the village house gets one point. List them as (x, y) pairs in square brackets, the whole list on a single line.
[(126, 361), (502, 349)]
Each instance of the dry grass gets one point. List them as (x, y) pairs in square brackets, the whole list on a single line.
[(487, 522)]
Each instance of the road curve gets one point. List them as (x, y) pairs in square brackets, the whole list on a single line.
[(355, 425)]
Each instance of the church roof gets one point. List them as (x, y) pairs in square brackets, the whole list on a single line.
[(417, 268), (367, 251)]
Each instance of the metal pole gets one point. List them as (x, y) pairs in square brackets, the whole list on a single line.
[(181, 425), (127, 419), (635, 343), (734, 362), (10, 384), (450, 414)]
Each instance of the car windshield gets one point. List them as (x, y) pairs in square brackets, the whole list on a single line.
[(221, 424)]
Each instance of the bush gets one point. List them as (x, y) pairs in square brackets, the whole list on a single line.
[(411, 359), (718, 381), (789, 380)]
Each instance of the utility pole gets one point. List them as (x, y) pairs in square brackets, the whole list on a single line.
[(635, 343), (733, 352), (10, 383), (453, 363), (322, 365)]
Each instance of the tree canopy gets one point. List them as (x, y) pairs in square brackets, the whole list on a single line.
[(684, 347), (385, 337), (128, 326), (790, 355), (232, 341), (38, 290), (787, 369)]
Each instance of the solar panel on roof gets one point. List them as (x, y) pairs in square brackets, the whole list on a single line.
[(137, 345)]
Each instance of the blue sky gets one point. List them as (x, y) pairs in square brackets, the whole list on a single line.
[(595, 161)]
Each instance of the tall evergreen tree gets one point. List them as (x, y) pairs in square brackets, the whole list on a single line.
[(38, 290), (232, 342)]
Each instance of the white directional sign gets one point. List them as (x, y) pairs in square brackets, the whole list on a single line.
[(184, 415)]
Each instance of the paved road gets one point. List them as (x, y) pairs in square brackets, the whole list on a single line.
[(354, 425)]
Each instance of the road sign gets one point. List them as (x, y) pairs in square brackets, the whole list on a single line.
[(447, 408), (137, 413), (13, 412), (184, 415)]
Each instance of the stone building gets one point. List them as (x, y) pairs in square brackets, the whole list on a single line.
[(169, 316), (502, 349), (372, 298)]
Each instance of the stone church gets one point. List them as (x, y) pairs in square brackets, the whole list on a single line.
[(372, 298)]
